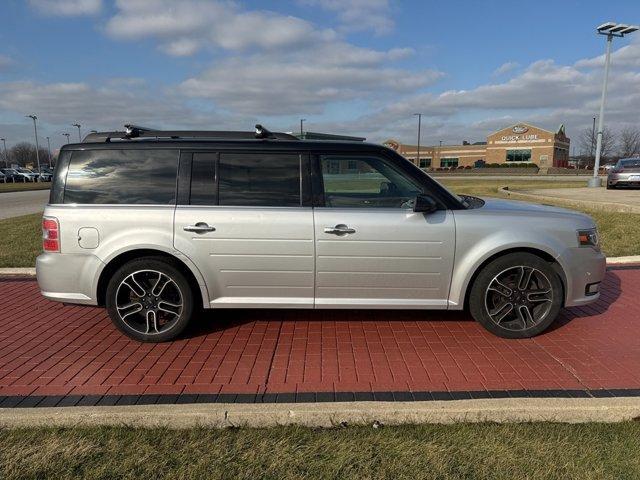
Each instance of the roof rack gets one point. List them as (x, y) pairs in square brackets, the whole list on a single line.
[(135, 131)]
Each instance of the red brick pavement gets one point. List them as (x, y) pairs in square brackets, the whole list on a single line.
[(47, 348)]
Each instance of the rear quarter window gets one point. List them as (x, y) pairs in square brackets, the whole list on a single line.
[(144, 176)]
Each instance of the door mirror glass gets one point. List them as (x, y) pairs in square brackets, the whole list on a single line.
[(425, 204)]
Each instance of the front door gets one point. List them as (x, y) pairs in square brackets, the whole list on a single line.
[(245, 227), (372, 250)]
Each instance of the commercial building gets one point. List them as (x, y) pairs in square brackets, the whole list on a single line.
[(520, 143)]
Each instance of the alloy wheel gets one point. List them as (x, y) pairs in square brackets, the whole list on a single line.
[(149, 302), (519, 298)]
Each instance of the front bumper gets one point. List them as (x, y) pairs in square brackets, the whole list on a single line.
[(623, 179), (583, 267), (69, 278)]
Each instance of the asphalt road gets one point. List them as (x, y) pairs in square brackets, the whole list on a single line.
[(14, 204)]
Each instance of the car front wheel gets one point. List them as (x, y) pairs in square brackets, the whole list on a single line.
[(516, 296), (149, 300)]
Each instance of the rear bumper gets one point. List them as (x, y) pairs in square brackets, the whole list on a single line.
[(68, 278), (583, 267)]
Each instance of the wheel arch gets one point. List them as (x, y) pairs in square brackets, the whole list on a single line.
[(196, 282), (534, 251)]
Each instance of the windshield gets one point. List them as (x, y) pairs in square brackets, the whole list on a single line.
[(630, 163), (460, 198), (24, 170)]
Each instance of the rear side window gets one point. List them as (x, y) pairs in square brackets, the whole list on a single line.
[(122, 177), (267, 180)]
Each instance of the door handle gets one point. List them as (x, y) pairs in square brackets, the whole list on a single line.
[(339, 230), (200, 227)]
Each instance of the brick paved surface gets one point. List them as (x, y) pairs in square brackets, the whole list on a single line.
[(50, 349)]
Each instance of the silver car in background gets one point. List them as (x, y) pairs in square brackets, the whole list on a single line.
[(625, 173), (154, 225)]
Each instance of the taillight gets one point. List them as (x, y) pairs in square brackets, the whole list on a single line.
[(50, 234)]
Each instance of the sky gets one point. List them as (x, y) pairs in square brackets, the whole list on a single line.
[(358, 67)]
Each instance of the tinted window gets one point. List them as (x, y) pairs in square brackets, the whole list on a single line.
[(122, 177), (270, 180), (365, 182), (203, 179)]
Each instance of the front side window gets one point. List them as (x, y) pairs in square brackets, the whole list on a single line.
[(143, 177), (262, 180), (373, 183), (518, 155)]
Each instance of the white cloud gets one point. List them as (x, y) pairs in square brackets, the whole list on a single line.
[(356, 15), (5, 62), (183, 28), (305, 82), (625, 57), (67, 8), (505, 68)]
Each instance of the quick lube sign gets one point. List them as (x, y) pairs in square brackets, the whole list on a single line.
[(519, 131)]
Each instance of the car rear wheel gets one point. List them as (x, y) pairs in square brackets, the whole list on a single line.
[(516, 296), (149, 300)]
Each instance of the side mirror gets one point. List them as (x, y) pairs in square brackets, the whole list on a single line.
[(425, 204)]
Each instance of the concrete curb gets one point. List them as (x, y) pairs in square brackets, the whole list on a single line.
[(605, 206), (567, 410), (21, 272)]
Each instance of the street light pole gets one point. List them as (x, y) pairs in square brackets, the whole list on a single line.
[(35, 129), (6, 156), (79, 134), (610, 29), (302, 120), (419, 115), (49, 150), (66, 135)]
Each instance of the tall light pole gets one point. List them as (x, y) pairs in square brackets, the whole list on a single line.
[(6, 156), (610, 30), (419, 115), (302, 120), (35, 129), (79, 134), (49, 150), (66, 135), (593, 139)]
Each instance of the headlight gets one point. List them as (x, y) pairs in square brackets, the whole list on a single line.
[(588, 238)]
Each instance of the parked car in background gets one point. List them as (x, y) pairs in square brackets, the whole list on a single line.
[(28, 175), (626, 173), (13, 175), (45, 175), (3, 177), (154, 225)]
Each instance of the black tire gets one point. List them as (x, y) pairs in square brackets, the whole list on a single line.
[(157, 313), (610, 187), (532, 308)]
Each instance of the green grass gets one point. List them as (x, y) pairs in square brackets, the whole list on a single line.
[(20, 240), (20, 187), (461, 451)]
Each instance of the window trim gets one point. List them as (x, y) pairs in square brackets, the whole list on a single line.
[(304, 173)]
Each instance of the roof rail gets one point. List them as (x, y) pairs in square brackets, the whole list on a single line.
[(135, 131)]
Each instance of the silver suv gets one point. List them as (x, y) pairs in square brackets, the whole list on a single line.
[(156, 224)]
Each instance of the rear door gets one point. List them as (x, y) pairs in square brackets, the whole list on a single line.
[(372, 249), (246, 224)]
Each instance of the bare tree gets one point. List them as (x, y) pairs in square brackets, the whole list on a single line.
[(23, 153), (588, 141), (629, 142)]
